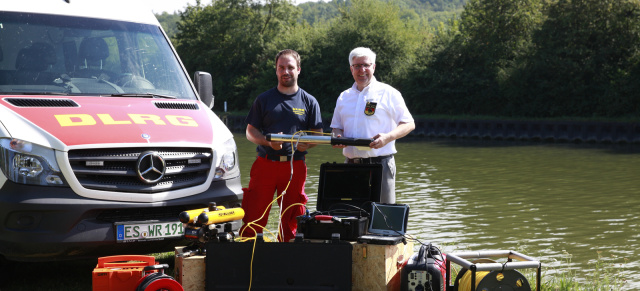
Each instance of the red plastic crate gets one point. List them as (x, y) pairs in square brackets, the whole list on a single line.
[(122, 273)]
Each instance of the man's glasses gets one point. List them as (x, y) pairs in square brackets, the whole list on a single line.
[(360, 66)]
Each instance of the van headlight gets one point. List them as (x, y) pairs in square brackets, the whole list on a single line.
[(228, 164), (27, 163)]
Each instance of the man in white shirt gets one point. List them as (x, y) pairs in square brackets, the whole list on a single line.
[(371, 109)]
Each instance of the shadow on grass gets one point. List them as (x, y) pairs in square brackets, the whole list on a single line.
[(63, 275)]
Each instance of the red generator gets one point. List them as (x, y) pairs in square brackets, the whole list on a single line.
[(132, 273), (425, 270)]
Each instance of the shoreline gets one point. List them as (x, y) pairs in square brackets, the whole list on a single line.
[(543, 131)]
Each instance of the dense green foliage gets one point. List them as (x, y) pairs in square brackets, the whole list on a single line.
[(169, 23), (229, 39), (586, 60), (430, 12), (508, 58)]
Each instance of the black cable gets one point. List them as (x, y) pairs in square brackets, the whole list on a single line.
[(439, 261), (332, 208)]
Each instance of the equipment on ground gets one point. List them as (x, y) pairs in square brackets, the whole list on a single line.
[(424, 271), (270, 266), (132, 273), (348, 189), (324, 226), (387, 224), (486, 274), (211, 224)]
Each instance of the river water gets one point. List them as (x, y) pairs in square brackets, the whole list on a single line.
[(572, 206)]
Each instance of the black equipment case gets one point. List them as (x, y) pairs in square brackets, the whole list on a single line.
[(275, 266), (349, 228), (343, 189), (425, 270)]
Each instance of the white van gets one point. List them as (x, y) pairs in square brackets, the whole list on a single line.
[(104, 140)]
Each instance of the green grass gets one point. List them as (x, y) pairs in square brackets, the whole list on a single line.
[(607, 274)]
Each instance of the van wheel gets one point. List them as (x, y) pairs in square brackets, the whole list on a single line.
[(6, 271)]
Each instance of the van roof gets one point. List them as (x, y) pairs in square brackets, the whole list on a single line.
[(125, 10)]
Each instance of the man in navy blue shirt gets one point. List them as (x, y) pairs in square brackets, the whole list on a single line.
[(280, 166)]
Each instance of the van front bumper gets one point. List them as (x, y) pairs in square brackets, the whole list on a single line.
[(40, 223)]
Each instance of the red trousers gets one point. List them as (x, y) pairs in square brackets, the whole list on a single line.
[(269, 177)]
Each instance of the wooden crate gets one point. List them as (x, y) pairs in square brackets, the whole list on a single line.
[(189, 271), (377, 267)]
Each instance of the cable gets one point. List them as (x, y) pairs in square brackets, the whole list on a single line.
[(293, 146), (465, 281), (330, 211), (281, 197)]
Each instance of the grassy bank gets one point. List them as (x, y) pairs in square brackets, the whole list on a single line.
[(608, 275)]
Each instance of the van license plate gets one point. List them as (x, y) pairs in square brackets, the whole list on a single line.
[(147, 231)]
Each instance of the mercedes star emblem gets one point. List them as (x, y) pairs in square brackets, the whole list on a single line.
[(150, 167)]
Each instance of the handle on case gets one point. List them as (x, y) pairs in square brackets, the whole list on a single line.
[(112, 260), (156, 267), (323, 217), (422, 255)]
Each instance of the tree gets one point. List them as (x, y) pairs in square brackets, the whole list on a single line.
[(169, 23), (586, 51), (369, 23), (470, 62), (228, 39)]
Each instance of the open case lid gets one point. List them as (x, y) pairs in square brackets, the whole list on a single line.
[(348, 189)]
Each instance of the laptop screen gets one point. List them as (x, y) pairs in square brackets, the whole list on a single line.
[(389, 219)]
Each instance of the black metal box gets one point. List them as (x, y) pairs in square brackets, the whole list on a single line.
[(274, 266), (349, 228)]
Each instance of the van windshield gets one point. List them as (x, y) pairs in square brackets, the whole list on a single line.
[(63, 55)]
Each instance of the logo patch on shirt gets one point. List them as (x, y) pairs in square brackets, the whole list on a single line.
[(298, 111), (370, 108)]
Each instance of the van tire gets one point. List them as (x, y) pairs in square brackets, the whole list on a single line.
[(6, 271)]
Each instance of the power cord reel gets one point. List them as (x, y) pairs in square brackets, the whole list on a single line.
[(491, 280)]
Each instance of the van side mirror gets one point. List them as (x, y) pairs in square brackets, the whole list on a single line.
[(204, 86)]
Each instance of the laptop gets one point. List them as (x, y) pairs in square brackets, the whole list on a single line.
[(387, 224)]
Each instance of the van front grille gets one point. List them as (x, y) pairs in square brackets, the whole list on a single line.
[(118, 169)]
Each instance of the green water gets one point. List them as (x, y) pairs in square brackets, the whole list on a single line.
[(544, 200)]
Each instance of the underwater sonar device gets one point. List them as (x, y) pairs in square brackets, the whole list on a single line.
[(211, 224), (319, 139)]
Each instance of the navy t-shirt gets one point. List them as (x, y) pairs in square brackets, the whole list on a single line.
[(274, 112)]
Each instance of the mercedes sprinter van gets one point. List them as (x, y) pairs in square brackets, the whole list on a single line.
[(104, 139)]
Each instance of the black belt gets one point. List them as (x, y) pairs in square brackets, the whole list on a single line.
[(279, 158), (371, 160)]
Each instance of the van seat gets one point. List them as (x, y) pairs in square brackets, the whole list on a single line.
[(32, 63), (92, 54)]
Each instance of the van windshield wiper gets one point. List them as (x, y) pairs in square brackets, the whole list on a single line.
[(142, 95)]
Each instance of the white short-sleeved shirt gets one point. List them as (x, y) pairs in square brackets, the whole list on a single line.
[(385, 109)]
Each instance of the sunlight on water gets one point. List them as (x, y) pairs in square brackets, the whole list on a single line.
[(549, 201)]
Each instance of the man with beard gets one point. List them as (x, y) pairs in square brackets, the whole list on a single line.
[(280, 166)]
